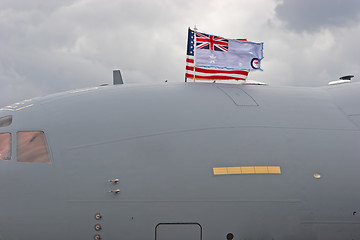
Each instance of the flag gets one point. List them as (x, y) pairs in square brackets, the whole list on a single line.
[(210, 57), (242, 55)]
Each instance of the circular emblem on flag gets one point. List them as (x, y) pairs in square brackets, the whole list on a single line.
[(255, 63)]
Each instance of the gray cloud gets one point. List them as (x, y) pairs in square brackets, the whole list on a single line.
[(313, 15), (51, 46)]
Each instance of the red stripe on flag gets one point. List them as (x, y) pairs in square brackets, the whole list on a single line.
[(187, 75), (207, 70), (189, 68), (191, 76), (189, 60)]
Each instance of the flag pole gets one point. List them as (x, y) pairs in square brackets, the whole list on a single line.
[(187, 56), (195, 29)]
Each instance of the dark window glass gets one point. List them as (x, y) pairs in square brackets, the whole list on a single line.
[(5, 121), (5, 146), (32, 147)]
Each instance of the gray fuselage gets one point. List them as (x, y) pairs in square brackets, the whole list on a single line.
[(161, 146)]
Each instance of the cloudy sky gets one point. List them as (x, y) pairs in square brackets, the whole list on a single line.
[(57, 45)]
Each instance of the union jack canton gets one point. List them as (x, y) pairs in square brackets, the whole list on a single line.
[(211, 42)]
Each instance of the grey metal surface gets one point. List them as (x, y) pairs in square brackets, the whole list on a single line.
[(161, 142)]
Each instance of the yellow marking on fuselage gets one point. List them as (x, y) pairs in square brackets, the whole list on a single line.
[(247, 170), (14, 108)]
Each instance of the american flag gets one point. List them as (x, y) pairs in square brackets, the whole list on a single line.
[(209, 73)]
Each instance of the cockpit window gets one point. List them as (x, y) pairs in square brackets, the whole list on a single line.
[(5, 146), (32, 147), (5, 121)]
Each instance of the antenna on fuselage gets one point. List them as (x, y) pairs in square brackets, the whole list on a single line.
[(117, 79), (343, 79), (348, 77)]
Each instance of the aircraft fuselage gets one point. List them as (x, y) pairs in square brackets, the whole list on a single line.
[(184, 161)]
